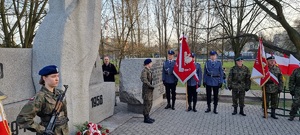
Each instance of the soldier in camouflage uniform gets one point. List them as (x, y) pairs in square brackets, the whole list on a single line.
[(42, 105), (239, 82), (147, 92), (272, 89), (294, 86)]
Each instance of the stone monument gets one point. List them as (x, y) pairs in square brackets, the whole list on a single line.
[(69, 38), (131, 85), (16, 83)]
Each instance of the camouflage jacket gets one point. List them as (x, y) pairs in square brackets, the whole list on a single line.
[(272, 87), (239, 78), (146, 78), (294, 83), (42, 105)]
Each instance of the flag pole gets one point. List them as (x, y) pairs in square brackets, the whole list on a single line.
[(265, 102), (186, 96), (186, 90)]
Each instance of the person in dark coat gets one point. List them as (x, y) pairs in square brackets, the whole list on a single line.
[(109, 70)]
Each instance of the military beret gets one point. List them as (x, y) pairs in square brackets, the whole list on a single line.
[(147, 61), (193, 55), (271, 58), (213, 53), (239, 58), (171, 52), (51, 69)]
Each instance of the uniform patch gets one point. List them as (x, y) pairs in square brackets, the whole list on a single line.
[(31, 99)]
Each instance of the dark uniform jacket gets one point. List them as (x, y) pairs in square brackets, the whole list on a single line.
[(111, 70), (42, 105), (167, 72), (192, 81), (213, 73)]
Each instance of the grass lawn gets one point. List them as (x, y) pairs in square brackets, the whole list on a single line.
[(227, 65)]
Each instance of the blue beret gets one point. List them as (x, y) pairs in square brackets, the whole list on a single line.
[(213, 53), (147, 61), (239, 58), (271, 58), (51, 69), (171, 52), (193, 55)]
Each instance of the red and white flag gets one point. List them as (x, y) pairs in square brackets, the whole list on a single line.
[(184, 68), (260, 73), (282, 63), (286, 65), (4, 128), (293, 64)]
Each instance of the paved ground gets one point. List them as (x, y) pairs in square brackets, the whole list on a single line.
[(224, 92), (190, 123)]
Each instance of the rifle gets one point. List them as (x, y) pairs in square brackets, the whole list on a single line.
[(56, 111)]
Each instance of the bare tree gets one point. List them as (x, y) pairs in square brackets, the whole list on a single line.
[(279, 16), (238, 17), (20, 20), (125, 19)]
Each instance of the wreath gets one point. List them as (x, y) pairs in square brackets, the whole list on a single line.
[(89, 128)]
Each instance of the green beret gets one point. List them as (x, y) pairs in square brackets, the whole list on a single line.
[(238, 59)]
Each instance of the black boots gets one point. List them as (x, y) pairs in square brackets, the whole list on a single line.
[(292, 118), (147, 119), (234, 111), (215, 109), (194, 107), (173, 105), (273, 115), (208, 109), (168, 106), (242, 111), (189, 108)]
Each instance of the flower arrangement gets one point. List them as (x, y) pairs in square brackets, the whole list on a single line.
[(89, 128)]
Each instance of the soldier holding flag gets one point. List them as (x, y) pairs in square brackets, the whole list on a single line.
[(273, 89), (212, 80), (185, 67), (192, 84)]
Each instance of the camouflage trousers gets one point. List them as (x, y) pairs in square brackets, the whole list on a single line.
[(148, 98), (147, 107), (273, 97), (295, 106), (238, 98)]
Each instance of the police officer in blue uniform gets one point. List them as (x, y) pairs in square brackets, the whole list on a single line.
[(169, 79), (192, 86), (212, 80)]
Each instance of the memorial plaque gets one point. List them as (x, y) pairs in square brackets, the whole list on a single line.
[(131, 84)]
